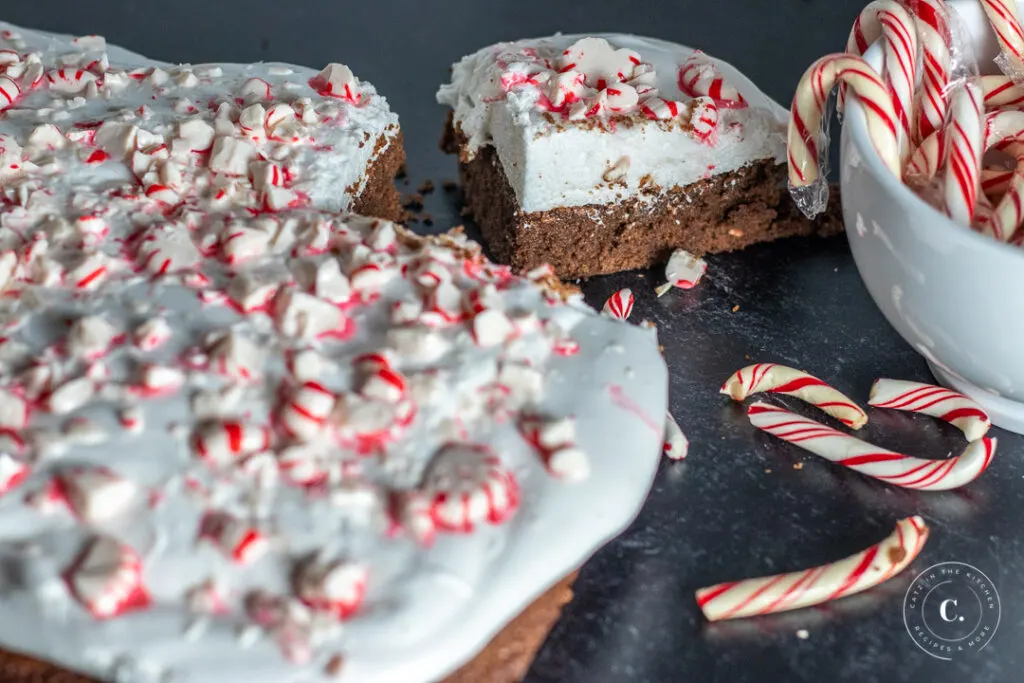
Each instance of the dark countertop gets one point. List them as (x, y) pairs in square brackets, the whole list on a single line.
[(720, 514)]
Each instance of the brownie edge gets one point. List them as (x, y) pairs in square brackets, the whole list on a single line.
[(721, 213), (380, 197)]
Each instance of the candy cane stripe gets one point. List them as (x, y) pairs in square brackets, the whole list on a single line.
[(780, 379), (854, 574), (885, 465), (939, 402)]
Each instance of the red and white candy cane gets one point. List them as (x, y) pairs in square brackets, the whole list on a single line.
[(1001, 92), (780, 379), (885, 465), (851, 575), (305, 413), (890, 21), (805, 135), (468, 485), (966, 146), (932, 20), (1006, 132), (1003, 17), (220, 443), (945, 404), (619, 305)]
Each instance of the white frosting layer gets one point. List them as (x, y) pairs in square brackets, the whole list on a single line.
[(551, 162), (185, 92), (189, 445)]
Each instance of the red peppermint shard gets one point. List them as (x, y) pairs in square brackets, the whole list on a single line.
[(239, 541), (619, 304), (337, 588), (106, 578)]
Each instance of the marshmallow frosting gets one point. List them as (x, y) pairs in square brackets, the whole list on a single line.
[(244, 436), (559, 152)]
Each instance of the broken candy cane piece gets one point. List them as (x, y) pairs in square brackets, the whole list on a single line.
[(12, 472), (600, 63), (336, 587), (305, 413), (337, 80), (414, 515), (241, 543), (167, 248), (684, 270), (555, 441), (619, 305), (467, 485), (927, 399), (235, 357), (699, 76), (10, 91), (704, 120), (782, 592), (14, 411), (892, 468), (220, 443), (106, 578), (779, 379), (383, 383), (676, 446), (151, 334), (95, 494)]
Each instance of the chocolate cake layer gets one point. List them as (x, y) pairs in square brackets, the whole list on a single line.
[(380, 197), (505, 659), (719, 214)]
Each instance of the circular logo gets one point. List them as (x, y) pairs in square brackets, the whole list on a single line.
[(951, 610)]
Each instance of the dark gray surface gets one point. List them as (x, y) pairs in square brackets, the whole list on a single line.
[(719, 515)]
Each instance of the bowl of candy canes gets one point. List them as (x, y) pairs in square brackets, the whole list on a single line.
[(932, 180)]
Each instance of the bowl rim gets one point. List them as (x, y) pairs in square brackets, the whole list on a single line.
[(855, 125)]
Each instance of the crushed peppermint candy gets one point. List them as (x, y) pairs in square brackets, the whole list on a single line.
[(218, 375), (683, 270)]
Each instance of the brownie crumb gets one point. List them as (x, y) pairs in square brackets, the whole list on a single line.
[(426, 218), (798, 466), (426, 187), (735, 308), (449, 185), (413, 201)]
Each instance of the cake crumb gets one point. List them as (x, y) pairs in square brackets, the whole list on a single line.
[(449, 185), (803, 634), (413, 201), (767, 470), (798, 466), (735, 308), (427, 218), (426, 187)]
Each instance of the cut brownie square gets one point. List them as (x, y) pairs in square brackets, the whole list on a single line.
[(603, 154)]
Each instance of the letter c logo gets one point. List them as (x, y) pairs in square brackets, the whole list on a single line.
[(944, 611)]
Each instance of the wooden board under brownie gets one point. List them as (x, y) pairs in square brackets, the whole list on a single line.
[(721, 213), (505, 659)]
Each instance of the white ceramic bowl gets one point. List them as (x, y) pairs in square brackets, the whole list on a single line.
[(956, 296)]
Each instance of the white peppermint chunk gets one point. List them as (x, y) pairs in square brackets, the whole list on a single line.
[(194, 135), (492, 327), (232, 156), (236, 357), (71, 396), (330, 283), (97, 494), (13, 411), (151, 334), (418, 344), (91, 336), (307, 317), (117, 138)]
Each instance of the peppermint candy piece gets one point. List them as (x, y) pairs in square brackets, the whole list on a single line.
[(600, 63), (69, 81), (700, 77), (337, 587), (927, 399), (237, 358), (237, 540), (779, 379), (95, 494), (770, 594), (106, 578), (304, 415), (151, 334), (12, 472), (167, 248), (885, 465), (619, 305), (384, 384), (677, 446), (14, 411), (221, 443), (555, 441), (467, 485), (684, 270), (10, 91), (337, 80)]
